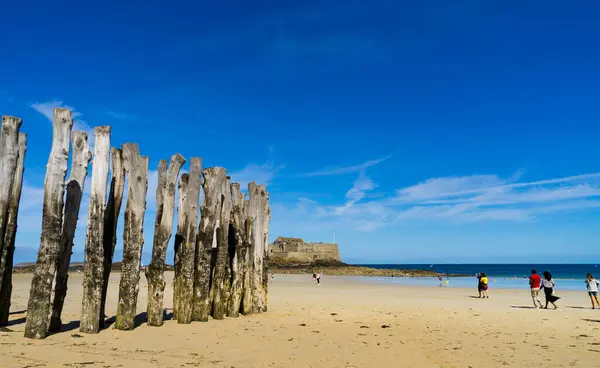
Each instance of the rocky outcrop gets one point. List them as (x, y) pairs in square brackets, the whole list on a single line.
[(337, 268)]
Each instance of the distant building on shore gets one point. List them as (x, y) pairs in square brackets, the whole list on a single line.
[(297, 249)]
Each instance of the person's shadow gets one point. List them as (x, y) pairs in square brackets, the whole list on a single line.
[(522, 306), (591, 320)]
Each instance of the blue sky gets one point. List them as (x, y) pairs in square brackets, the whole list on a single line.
[(427, 131)]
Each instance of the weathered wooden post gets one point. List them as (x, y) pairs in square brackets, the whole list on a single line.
[(219, 281), (266, 210), (9, 155), (182, 187), (136, 167), (111, 218), (93, 268), (258, 213), (210, 210), (38, 307), (184, 284), (79, 168), (248, 261), (162, 234), (11, 232), (236, 230)]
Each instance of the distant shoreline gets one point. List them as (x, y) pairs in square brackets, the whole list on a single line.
[(337, 268)]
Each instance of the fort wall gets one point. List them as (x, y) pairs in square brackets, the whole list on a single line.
[(297, 249)]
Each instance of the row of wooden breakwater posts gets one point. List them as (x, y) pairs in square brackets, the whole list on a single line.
[(220, 266)]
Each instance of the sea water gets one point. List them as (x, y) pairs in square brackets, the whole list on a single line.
[(503, 276)]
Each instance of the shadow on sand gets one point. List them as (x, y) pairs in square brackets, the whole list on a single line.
[(591, 320), (137, 322), (74, 325), (17, 321), (522, 306)]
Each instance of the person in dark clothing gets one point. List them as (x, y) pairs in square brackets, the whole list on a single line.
[(548, 286), (479, 289)]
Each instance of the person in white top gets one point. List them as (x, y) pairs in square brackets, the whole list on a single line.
[(591, 284)]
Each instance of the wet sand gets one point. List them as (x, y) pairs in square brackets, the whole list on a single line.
[(344, 322)]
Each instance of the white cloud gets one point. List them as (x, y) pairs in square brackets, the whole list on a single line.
[(31, 197), (47, 109), (449, 199), (360, 187), (151, 193), (116, 115), (347, 169), (261, 174)]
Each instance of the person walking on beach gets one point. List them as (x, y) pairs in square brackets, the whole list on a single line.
[(548, 286), (591, 285), (319, 278), (534, 285), (483, 281)]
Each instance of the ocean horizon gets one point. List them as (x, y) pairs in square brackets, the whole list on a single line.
[(502, 276), (507, 270)]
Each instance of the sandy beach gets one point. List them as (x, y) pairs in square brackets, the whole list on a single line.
[(344, 322)]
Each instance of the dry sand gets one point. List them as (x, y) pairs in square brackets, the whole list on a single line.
[(337, 324)]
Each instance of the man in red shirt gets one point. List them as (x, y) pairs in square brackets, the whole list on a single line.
[(534, 284)]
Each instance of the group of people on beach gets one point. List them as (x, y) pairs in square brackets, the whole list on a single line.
[(482, 285), (537, 283)]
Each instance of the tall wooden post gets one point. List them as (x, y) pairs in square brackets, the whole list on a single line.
[(79, 168), (248, 261), (266, 211), (182, 187), (38, 307), (258, 211), (184, 284), (111, 218), (236, 229), (11, 232), (162, 233), (9, 155), (93, 268), (214, 178), (220, 276), (136, 167)]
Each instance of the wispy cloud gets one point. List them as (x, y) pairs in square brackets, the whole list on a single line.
[(117, 115), (473, 198), (47, 109), (261, 174), (347, 169)]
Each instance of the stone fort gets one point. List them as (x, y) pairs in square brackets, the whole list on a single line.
[(297, 249)]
